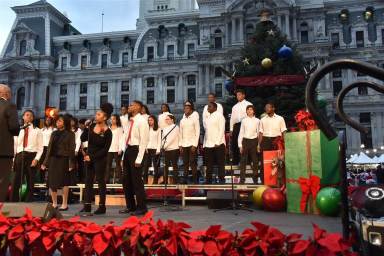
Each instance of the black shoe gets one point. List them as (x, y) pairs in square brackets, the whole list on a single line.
[(63, 209), (86, 211), (126, 211), (139, 212), (100, 210)]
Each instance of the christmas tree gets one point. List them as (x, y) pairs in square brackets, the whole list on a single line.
[(270, 70)]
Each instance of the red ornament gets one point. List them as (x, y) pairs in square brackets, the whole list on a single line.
[(274, 200)]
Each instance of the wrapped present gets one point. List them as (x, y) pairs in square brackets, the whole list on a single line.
[(273, 162), (311, 162)]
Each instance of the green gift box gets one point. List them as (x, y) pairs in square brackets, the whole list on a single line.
[(311, 162)]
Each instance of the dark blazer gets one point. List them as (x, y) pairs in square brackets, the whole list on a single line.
[(9, 127), (67, 146)]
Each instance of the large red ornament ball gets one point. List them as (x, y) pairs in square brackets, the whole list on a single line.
[(274, 200)]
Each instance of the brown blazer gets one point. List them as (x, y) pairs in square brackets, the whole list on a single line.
[(9, 127), (67, 146)]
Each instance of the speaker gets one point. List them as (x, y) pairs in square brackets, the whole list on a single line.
[(220, 199), (44, 211)]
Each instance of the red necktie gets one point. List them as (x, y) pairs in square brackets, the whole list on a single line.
[(25, 142), (129, 133)]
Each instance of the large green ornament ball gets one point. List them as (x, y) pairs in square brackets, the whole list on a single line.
[(257, 196), (328, 201)]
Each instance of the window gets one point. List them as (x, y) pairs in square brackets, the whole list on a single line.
[(103, 99), (125, 59), (63, 63), (336, 73), (335, 40), (125, 86), (366, 139), (365, 118), (191, 94), (304, 33), (47, 93), (124, 100), (83, 88), (218, 39), (150, 53), (83, 102), (20, 98), (104, 60), (170, 81), (191, 80), (150, 82), (362, 90), (360, 38), (63, 103), (84, 60), (219, 90), (337, 86), (191, 51), (104, 87), (249, 30), (337, 118), (170, 52), (171, 96), (23, 47), (150, 97), (218, 72), (63, 89)]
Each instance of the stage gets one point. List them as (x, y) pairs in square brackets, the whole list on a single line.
[(200, 217)]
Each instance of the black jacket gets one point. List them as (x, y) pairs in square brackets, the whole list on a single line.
[(9, 127), (66, 148)]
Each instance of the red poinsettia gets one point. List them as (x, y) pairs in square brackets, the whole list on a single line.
[(304, 121)]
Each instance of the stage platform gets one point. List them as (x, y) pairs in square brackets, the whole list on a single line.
[(200, 217)]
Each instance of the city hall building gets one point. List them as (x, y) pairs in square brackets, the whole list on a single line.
[(176, 51)]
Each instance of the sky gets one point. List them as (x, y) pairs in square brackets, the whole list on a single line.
[(84, 14)]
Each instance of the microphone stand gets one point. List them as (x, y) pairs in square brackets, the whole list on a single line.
[(165, 206), (235, 205)]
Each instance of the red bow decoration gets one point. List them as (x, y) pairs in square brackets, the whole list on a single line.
[(308, 186), (304, 121)]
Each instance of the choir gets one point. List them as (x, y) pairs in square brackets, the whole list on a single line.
[(125, 149)]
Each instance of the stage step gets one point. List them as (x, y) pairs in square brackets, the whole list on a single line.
[(112, 200)]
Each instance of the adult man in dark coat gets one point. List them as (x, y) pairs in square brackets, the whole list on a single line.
[(9, 127)]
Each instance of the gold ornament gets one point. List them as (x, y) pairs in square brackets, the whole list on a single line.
[(266, 63)]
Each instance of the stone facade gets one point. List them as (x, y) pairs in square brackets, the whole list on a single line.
[(174, 53)]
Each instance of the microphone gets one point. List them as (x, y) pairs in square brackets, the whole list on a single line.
[(24, 126)]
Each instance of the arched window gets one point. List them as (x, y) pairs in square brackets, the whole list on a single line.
[(20, 98), (249, 31), (23, 47), (218, 39), (304, 33)]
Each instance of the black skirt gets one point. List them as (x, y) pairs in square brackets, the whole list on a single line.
[(58, 172)]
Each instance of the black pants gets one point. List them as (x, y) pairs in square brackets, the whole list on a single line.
[(80, 168), (41, 174), (249, 147), (266, 145), (151, 159), (171, 158), (133, 181), (5, 173), (235, 145), (212, 155), (23, 159), (190, 160), (116, 174), (96, 167)]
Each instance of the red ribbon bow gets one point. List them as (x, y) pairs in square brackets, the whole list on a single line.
[(308, 186)]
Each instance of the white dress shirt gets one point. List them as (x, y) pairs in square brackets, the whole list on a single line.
[(124, 122), (170, 137), (161, 120), (154, 141), (239, 112), (214, 132), (249, 129), (272, 126), (189, 131), (78, 139), (46, 132), (139, 135), (35, 142), (145, 116), (206, 113), (193, 115), (118, 142)]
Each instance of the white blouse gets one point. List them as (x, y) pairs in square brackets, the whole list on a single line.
[(47, 135), (170, 137), (154, 141), (118, 142), (161, 120)]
